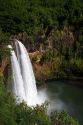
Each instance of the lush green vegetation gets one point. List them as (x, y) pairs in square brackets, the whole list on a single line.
[(38, 22), (62, 118), (41, 21), (20, 114), (34, 16), (62, 65)]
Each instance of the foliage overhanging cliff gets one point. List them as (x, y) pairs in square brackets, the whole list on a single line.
[(55, 28)]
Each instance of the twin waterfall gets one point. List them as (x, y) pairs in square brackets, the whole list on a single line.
[(24, 84)]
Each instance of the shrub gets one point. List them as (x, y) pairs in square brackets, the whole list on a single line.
[(62, 118)]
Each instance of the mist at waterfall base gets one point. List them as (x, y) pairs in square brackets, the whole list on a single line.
[(24, 84)]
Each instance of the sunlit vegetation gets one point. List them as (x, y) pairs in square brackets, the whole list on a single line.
[(61, 65)]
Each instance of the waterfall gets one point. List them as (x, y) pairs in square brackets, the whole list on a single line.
[(18, 86), (24, 86), (26, 71)]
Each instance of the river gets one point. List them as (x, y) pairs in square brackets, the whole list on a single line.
[(63, 96)]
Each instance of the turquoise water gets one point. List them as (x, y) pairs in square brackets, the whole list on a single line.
[(65, 97)]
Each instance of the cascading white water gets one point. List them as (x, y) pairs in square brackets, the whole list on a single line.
[(26, 71), (18, 86), (23, 76)]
